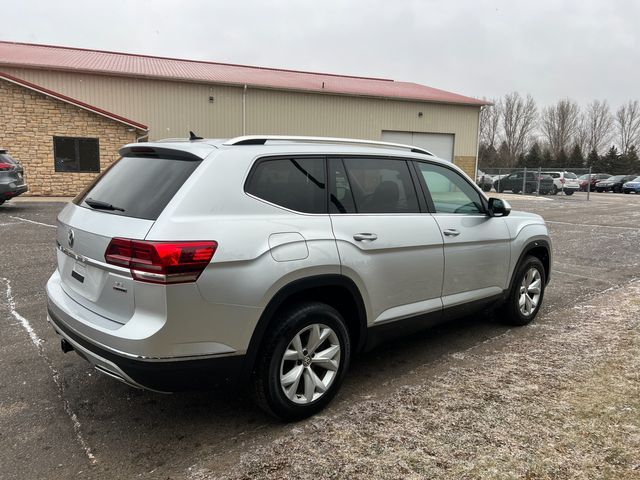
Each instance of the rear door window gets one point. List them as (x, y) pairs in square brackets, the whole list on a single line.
[(381, 185), (295, 183), (140, 186)]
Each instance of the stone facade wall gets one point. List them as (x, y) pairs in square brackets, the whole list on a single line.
[(28, 123), (468, 164)]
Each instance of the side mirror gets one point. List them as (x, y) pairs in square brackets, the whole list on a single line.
[(499, 207)]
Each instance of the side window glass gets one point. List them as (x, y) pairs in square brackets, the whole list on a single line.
[(340, 195), (294, 183), (381, 185), (450, 192)]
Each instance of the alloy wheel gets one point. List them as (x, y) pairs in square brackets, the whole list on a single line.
[(310, 364), (530, 290)]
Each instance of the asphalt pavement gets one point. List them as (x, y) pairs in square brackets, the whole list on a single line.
[(60, 419)]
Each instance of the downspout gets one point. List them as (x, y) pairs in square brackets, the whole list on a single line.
[(143, 137), (244, 110), (475, 174)]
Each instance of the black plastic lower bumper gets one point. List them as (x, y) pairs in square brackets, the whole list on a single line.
[(166, 375)]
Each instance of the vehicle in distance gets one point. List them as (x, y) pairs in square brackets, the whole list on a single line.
[(614, 183), (271, 261), (484, 181), (632, 186), (12, 181), (566, 182), (595, 178), (515, 182)]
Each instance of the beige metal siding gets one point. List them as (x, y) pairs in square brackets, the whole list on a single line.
[(171, 109)]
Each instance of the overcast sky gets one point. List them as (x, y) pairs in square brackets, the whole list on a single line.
[(582, 49)]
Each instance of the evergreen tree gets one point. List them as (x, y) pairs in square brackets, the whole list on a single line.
[(576, 158), (595, 162), (547, 159), (504, 157), (533, 159), (561, 160), (628, 162), (610, 162)]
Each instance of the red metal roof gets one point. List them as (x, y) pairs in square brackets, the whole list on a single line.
[(73, 101), (25, 55)]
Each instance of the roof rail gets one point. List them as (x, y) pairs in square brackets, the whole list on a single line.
[(263, 139)]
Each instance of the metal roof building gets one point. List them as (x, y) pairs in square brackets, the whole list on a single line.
[(167, 97)]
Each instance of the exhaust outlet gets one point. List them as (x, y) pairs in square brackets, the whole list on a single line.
[(66, 346)]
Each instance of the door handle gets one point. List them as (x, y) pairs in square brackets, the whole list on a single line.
[(451, 232), (359, 237)]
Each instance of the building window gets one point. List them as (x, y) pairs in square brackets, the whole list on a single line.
[(73, 154)]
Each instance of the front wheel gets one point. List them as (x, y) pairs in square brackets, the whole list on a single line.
[(303, 361), (526, 294)]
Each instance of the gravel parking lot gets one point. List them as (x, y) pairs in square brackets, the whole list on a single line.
[(471, 399)]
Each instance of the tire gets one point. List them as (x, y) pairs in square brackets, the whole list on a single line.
[(528, 189), (501, 189), (626, 191), (1, 202), (554, 190), (515, 191), (301, 321), (511, 311), (568, 192), (486, 188), (616, 190)]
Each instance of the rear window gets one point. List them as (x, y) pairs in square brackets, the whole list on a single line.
[(141, 186), (570, 175)]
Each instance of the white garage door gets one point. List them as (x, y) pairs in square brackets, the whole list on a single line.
[(440, 144)]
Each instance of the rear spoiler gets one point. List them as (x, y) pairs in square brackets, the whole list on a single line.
[(152, 151)]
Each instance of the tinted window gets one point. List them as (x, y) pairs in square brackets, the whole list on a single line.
[(76, 154), (340, 195), (294, 183), (450, 192), (570, 175), (141, 186), (381, 185)]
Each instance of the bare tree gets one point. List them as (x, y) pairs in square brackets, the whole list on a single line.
[(518, 121), (559, 125), (628, 125), (596, 129), (490, 124)]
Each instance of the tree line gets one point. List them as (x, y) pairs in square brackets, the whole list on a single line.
[(515, 133)]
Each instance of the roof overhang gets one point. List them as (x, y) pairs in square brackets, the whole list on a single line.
[(72, 101)]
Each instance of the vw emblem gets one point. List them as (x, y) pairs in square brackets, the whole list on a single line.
[(70, 237)]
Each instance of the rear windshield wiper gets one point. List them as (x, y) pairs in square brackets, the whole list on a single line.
[(99, 205)]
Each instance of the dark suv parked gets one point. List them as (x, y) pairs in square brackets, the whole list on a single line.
[(11, 177), (614, 183), (515, 181)]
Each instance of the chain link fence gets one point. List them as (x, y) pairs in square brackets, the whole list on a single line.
[(576, 182)]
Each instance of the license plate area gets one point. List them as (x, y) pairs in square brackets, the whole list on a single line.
[(79, 271)]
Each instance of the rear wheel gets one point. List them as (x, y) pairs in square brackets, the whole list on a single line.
[(486, 188), (302, 362), (568, 192), (1, 202), (526, 294), (554, 190), (515, 190)]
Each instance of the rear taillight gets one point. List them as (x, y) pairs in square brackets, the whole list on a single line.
[(161, 262), (562, 180), (5, 166)]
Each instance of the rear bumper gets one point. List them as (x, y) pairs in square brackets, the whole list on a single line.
[(10, 190), (160, 376)]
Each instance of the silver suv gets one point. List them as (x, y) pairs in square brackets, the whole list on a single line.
[(270, 261)]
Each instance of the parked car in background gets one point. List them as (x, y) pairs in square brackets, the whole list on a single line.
[(595, 178), (12, 181), (484, 181), (315, 249), (516, 180), (614, 183), (632, 186), (566, 182)]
